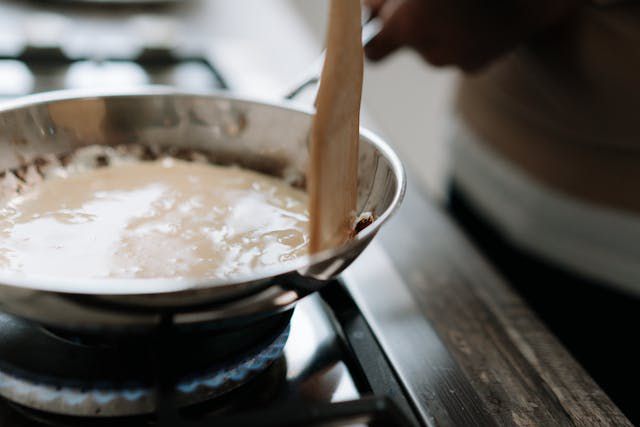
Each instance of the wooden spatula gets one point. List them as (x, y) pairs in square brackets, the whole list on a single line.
[(333, 170)]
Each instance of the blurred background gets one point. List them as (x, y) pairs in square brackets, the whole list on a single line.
[(254, 47), (546, 159)]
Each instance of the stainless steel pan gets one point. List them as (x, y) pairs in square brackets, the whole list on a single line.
[(259, 135)]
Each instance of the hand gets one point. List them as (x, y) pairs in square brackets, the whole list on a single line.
[(465, 33)]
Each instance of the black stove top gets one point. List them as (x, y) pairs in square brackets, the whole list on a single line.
[(108, 374), (331, 372)]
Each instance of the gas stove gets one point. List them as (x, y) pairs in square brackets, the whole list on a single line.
[(317, 364), (317, 378), (49, 51)]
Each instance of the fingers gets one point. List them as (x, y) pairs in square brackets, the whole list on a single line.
[(381, 46), (395, 16)]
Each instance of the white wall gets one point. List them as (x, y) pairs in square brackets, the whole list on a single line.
[(408, 101)]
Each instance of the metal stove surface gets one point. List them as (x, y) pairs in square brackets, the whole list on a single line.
[(49, 46)]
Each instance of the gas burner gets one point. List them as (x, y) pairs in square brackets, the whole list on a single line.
[(119, 376), (258, 392)]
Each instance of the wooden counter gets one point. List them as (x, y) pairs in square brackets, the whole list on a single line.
[(467, 348)]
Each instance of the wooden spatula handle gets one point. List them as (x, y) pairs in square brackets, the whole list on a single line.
[(333, 171)]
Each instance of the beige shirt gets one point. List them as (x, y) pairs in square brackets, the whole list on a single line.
[(566, 108), (548, 146)]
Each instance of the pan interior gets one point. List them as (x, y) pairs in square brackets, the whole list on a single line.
[(266, 138), (134, 211)]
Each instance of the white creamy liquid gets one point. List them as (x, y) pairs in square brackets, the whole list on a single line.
[(163, 219)]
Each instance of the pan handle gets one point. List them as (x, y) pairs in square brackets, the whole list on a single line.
[(303, 285), (311, 76)]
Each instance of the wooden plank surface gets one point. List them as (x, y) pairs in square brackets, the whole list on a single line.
[(521, 374)]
